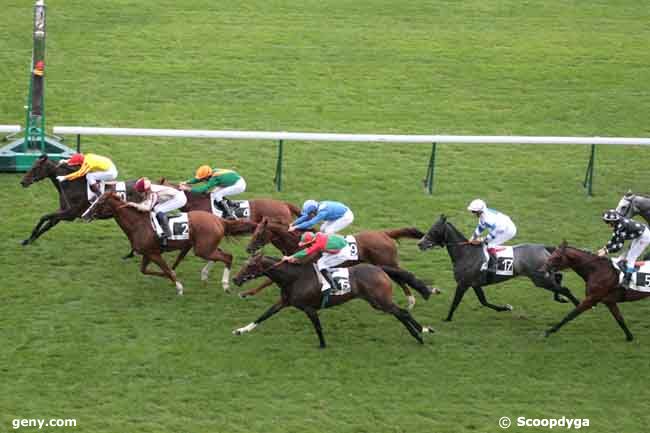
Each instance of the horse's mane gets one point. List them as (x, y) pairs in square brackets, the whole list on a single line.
[(452, 227)]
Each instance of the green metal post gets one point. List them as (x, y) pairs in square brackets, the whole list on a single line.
[(278, 168), (589, 175), (428, 180), (78, 143)]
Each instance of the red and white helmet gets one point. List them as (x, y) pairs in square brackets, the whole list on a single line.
[(143, 184), (477, 205)]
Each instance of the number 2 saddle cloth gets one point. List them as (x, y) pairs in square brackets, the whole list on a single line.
[(640, 279), (179, 226)]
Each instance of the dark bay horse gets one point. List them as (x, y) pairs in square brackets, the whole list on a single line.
[(301, 288), (205, 233), (377, 247), (602, 284), (467, 259), (259, 208), (73, 198)]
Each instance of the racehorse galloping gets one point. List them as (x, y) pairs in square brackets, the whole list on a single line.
[(602, 284), (377, 247), (73, 200), (634, 204), (467, 260), (205, 233), (259, 208), (301, 288)]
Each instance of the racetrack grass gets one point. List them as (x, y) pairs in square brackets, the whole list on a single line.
[(86, 336)]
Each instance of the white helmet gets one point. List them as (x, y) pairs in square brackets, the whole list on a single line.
[(477, 205)]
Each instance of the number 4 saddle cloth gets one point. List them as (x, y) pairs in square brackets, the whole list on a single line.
[(179, 226), (640, 279)]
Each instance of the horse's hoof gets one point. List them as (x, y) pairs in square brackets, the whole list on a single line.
[(435, 291), (509, 307), (25, 242), (547, 333), (629, 338), (242, 295), (428, 330), (236, 332), (446, 320)]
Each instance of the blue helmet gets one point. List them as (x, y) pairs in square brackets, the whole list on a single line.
[(309, 206)]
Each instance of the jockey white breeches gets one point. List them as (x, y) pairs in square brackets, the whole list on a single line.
[(236, 188), (177, 202), (501, 236), (335, 226), (100, 176), (328, 261), (636, 248)]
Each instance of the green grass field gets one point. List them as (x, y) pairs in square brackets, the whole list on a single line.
[(86, 336)]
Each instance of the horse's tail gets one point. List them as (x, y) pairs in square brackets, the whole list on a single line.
[(239, 227), (400, 276), (295, 210), (405, 232)]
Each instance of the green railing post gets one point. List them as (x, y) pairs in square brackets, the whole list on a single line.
[(428, 180), (78, 143), (589, 175), (278, 168)]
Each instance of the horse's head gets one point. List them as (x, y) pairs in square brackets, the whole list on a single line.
[(101, 208), (626, 207), (41, 169), (261, 236), (558, 260), (253, 268), (436, 236)]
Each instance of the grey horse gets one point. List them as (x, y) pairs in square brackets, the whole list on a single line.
[(467, 259), (635, 204)]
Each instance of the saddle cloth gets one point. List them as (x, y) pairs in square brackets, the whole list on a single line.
[(118, 188), (241, 208), (640, 278), (505, 259), (341, 277), (179, 226)]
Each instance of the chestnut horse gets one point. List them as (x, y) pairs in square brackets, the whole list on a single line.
[(301, 288), (602, 284), (377, 247), (205, 233), (73, 199)]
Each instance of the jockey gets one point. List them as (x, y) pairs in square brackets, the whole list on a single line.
[(159, 199), (330, 245), (335, 216), (625, 228), (220, 182), (96, 168), (499, 226)]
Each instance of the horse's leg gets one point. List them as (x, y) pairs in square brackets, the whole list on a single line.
[(587, 303), (46, 222), (480, 294), (313, 316), (613, 308), (268, 313), (407, 320), (458, 296), (550, 283), (166, 271), (221, 256), (255, 290), (409, 295), (181, 255)]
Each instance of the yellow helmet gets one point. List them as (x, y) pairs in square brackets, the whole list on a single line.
[(203, 172)]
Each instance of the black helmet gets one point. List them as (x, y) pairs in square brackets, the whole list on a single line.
[(611, 216)]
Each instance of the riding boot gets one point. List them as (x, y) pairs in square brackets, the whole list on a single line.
[(326, 293), (164, 224), (627, 278), (227, 210)]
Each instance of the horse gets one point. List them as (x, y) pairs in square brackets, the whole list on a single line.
[(300, 288), (467, 259), (634, 204), (376, 247), (73, 199), (601, 281), (205, 232), (259, 208)]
